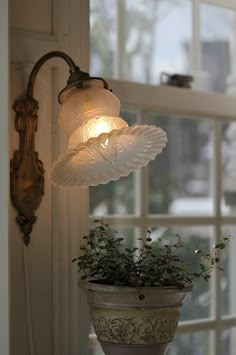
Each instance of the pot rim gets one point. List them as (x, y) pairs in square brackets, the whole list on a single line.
[(90, 284)]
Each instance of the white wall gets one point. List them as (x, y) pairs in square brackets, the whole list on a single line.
[(36, 28), (4, 257)]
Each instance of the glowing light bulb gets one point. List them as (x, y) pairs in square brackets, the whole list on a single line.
[(94, 128), (99, 125)]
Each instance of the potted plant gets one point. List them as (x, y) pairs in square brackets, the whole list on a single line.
[(134, 295)]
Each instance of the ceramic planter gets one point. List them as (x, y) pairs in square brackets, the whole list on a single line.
[(126, 325)]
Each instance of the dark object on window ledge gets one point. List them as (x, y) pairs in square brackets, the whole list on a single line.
[(179, 80)]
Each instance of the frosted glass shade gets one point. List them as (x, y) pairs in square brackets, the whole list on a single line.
[(81, 105), (84, 165), (94, 128), (101, 145)]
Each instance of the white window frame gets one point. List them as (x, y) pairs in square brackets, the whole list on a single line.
[(188, 103)]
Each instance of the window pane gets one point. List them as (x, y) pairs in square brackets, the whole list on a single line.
[(103, 32), (228, 281), (116, 197), (228, 341), (181, 178), (130, 235), (218, 48), (194, 344), (198, 304), (229, 168), (136, 40)]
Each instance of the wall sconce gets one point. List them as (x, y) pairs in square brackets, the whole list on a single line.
[(101, 145)]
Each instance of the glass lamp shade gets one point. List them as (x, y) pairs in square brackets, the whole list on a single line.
[(101, 146), (81, 105)]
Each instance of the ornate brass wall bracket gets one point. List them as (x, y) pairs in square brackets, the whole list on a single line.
[(26, 170), (27, 173)]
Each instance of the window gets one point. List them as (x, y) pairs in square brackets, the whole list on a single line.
[(137, 40), (190, 188)]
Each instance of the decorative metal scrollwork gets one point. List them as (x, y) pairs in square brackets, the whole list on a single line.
[(26, 170)]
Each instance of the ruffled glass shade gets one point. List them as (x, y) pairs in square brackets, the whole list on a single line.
[(101, 146)]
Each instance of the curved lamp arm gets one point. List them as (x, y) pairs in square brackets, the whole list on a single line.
[(41, 61), (26, 170)]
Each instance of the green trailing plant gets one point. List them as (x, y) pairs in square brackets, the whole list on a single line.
[(155, 264)]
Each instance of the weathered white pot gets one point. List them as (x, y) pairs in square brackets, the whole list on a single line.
[(125, 325)]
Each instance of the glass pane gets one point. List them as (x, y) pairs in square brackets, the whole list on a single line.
[(229, 168), (228, 342), (194, 344), (228, 281), (199, 303), (136, 40), (103, 32), (130, 235), (181, 177), (218, 43), (116, 197)]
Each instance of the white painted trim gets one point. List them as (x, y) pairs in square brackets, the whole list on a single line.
[(69, 214), (167, 220), (56, 23), (78, 208), (174, 100), (4, 178), (230, 4)]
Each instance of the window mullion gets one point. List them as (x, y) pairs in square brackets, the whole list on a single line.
[(119, 62), (144, 176), (196, 42), (216, 291), (144, 190)]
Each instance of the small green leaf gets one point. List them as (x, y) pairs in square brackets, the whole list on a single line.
[(220, 246), (197, 251), (148, 247)]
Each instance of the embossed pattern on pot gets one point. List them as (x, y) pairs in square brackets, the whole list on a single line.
[(136, 326)]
